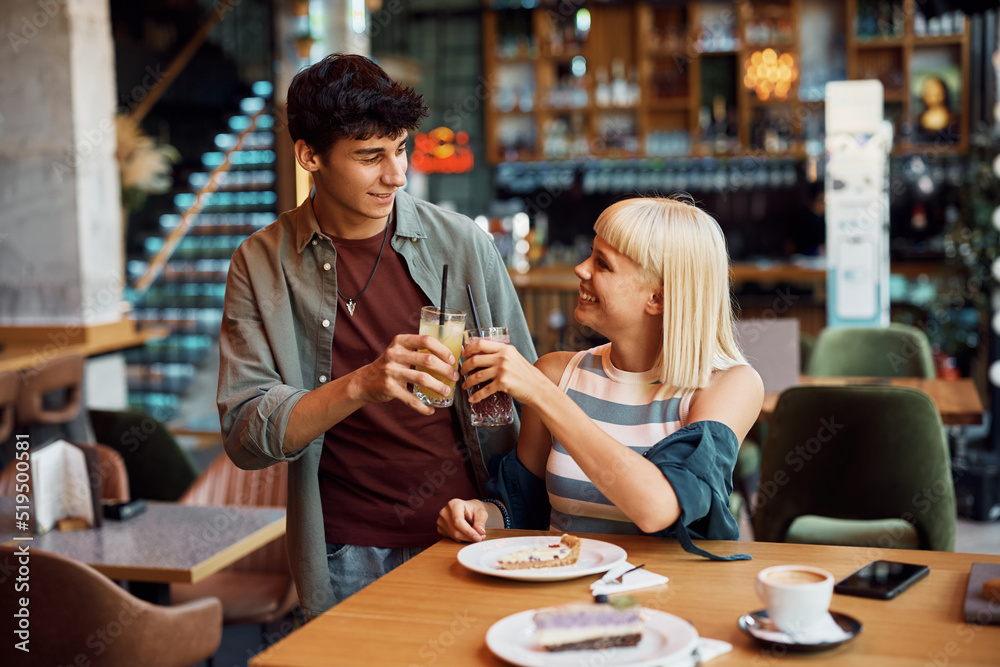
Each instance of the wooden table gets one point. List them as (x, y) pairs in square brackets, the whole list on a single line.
[(957, 400), (30, 347), (199, 432), (433, 611), (168, 544)]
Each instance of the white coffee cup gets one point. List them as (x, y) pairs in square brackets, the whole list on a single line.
[(797, 597)]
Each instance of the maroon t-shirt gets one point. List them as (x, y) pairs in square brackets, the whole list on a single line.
[(386, 470)]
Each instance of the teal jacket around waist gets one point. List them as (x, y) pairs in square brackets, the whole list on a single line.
[(282, 286), (697, 460)]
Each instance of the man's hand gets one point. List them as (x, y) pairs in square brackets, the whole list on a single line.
[(463, 520), (386, 378), (381, 381)]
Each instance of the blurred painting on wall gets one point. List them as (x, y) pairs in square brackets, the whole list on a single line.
[(936, 96)]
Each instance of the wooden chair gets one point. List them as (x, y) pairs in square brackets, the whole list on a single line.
[(62, 374), (259, 587), (77, 614), (10, 385), (50, 400)]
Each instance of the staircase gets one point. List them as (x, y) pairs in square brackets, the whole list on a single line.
[(188, 296)]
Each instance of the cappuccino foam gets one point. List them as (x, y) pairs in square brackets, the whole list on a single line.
[(794, 577)]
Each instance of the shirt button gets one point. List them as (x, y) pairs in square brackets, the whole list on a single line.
[(326, 323), (326, 267), (314, 241), (322, 378)]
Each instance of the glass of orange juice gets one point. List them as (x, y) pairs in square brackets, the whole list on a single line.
[(450, 333)]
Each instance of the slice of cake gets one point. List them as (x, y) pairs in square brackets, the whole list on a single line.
[(565, 552), (584, 626)]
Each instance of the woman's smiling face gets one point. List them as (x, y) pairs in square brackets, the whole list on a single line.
[(613, 293)]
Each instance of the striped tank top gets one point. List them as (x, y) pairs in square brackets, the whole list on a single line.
[(634, 409)]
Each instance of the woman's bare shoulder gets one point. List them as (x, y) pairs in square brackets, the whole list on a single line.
[(742, 377), (733, 396), (553, 364), (735, 387)]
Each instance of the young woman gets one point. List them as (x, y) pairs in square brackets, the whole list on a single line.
[(639, 435)]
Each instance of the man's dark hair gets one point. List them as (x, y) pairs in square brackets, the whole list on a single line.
[(349, 96)]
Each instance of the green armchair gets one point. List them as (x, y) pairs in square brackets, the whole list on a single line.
[(857, 466), (158, 468), (899, 350)]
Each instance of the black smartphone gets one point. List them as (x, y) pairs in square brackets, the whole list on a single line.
[(881, 579), (123, 511)]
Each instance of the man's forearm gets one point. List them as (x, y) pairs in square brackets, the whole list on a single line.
[(319, 411)]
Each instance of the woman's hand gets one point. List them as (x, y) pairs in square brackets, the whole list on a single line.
[(463, 520), (499, 367)]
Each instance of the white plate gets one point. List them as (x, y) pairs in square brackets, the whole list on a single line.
[(595, 557), (665, 639)]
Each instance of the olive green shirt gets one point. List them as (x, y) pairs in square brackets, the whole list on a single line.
[(276, 345)]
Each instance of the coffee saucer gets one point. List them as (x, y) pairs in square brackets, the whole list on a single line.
[(759, 626)]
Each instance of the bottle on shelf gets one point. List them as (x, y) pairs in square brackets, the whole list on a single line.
[(603, 92), (619, 86)]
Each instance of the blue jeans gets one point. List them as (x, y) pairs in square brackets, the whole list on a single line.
[(353, 567)]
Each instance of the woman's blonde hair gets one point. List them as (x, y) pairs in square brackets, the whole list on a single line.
[(682, 249)]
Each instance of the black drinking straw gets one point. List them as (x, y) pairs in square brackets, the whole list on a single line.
[(472, 302), (444, 292)]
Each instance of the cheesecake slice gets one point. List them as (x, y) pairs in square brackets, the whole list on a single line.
[(565, 552), (588, 626)]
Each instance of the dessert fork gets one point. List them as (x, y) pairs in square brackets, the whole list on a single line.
[(617, 580)]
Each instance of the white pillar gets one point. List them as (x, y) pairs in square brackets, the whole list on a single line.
[(340, 35), (60, 201)]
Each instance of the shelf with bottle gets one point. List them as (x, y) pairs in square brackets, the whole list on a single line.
[(879, 20), (516, 137), (923, 64), (718, 122), (513, 37), (774, 129), (771, 24), (718, 28), (624, 89), (667, 83), (880, 43), (619, 91), (669, 104), (617, 134), (665, 30), (946, 25), (564, 136), (565, 84), (939, 40), (514, 87), (886, 65), (563, 34)]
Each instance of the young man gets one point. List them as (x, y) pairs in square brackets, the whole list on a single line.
[(318, 340)]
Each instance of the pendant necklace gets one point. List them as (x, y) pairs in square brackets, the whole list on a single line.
[(353, 303)]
